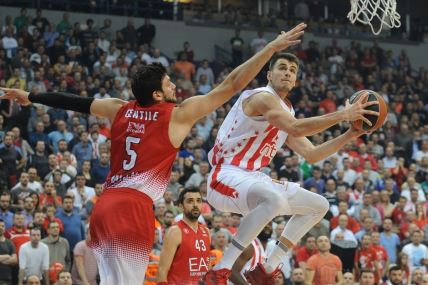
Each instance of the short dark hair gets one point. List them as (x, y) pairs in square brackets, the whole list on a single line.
[(147, 80), (67, 197), (366, 270), (393, 268), (285, 55), (185, 191)]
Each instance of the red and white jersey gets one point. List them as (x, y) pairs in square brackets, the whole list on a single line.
[(192, 258), (248, 142), (259, 256), (141, 151)]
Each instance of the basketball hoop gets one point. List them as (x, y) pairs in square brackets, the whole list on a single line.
[(377, 13)]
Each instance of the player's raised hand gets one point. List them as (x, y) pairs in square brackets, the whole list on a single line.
[(20, 96), (357, 110), (287, 39)]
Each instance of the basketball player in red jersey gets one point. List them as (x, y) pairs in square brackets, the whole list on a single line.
[(146, 136), (185, 255), (254, 254)]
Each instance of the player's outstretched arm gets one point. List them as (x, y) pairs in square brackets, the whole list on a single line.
[(267, 105), (170, 244), (313, 154), (196, 107), (106, 108)]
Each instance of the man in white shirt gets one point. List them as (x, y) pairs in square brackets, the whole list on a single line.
[(417, 252), (158, 58), (341, 228), (423, 152), (9, 43), (80, 192), (34, 258), (350, 174), (257, 44)]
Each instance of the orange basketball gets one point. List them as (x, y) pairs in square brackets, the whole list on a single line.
[(382, 108)]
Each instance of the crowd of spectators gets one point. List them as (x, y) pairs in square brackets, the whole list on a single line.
[(53, 162)]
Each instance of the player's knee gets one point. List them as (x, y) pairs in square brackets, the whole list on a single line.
[(322, 205)]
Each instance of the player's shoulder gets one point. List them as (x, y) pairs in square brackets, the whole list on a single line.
[(173, 230)]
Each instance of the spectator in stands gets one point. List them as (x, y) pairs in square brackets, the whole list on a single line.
[(5, 214), (367, 277), (84, 269), (342, 228), (237, 44), (64, 278), (8, 256), (395, 276), (9, 155), (257, 44), (146, 33), (305, 252), (34, 258), (73, 227), (316, 265), (21, 192), (315, 181), (59, 249), (33, 280), (417, 252)]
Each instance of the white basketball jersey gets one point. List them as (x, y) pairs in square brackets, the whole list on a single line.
[(248, 142)]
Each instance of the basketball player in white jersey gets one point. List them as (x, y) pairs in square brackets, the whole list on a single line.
[(259, 123)]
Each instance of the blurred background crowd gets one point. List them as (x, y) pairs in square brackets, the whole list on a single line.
[(53, 162)]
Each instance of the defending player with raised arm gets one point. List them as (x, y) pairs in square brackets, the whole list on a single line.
[(146, 134), (185, 255), (258, 124)]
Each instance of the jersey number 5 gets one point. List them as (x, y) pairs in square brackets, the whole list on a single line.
[(129, 164)]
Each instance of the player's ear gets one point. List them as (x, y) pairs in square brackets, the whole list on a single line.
[(269, 75), (157, 96)]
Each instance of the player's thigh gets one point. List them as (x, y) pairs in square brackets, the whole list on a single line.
[(298, 200), (228, 189)]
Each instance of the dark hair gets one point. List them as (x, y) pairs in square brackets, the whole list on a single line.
[(147, 80), (185, 191), (366, 270), (67, 197), (285, 55), (393, 268)]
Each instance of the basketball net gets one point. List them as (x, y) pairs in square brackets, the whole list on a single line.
[(375, 13)]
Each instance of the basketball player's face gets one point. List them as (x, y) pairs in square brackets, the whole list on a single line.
[(168, 90), (283, 75), (192, 205)]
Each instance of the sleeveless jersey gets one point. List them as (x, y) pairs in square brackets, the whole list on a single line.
[(192, 258), (259, 256), (141, 152), (248, 142)]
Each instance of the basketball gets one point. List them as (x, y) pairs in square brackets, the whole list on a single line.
[(382, 108)]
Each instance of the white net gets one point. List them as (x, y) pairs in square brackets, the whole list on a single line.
[(375, 13)]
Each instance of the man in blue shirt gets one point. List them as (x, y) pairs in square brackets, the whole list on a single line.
[(83, 150), (5, 214), (101, 169), (60, 133), (73, 227), (389, 240)]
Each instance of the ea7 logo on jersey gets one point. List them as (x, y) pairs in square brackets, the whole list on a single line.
[(136, 128)]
